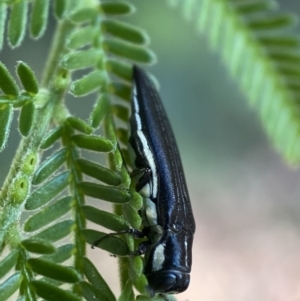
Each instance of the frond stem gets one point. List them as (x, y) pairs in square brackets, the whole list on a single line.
[(56, 51)]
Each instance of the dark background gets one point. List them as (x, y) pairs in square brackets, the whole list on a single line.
[(245, 198)]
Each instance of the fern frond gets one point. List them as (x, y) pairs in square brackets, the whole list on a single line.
[(260, 53), (53, 191)]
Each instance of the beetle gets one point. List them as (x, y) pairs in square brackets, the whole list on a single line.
[(158, 173)]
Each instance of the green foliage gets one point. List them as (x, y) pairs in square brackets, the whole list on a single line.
[(27, 78), (6, 114), (91, 38), (26, 119), (39, 17), (17, 22), (8, 84), (53, 189), (262, 54)]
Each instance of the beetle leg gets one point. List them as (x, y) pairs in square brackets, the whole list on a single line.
[(141, 177), (134, 232), (143, 247)]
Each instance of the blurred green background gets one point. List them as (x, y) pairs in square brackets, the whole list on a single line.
[(245, 198)]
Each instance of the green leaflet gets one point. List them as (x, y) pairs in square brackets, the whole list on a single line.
[(289, 71), (111, 244), (48, 191), (122, 135), (54, 270), (79, 125), (117, 8), (119, 68), (39, 17), (136, 266), (38, 246), (284, 57), (55, 232), (49, 166), (7, 263), (129, 51), (6, 114), (251, 7), (27, 78), (83, 15), (125, 156), (88, 83), (3, 14), (90, 293), (7, 83), (141, 284), (61, 8), (97, 280), (99, 172), (100, 110), (17, 22), (120, 90), (132, 216), (94, 143), (26, 119), (52, 137), (61, 254), (48, 214), (106, 193), (51, 292), (9, 286), (121, 112), (82, 59), (52, 281), (284, 41), (136, 200), (109, 129), (106, 219), (82, 37), (127, 292), (274, 22), (124, 31)]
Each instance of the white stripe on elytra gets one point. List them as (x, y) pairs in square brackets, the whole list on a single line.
[(146, 148), (186, 250), (136, 109), (138, 121), (150, 159)]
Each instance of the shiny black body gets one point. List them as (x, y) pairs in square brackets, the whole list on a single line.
[(168, 258)]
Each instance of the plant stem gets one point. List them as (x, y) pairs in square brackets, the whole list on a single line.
[(57, 50), (10, 212)]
